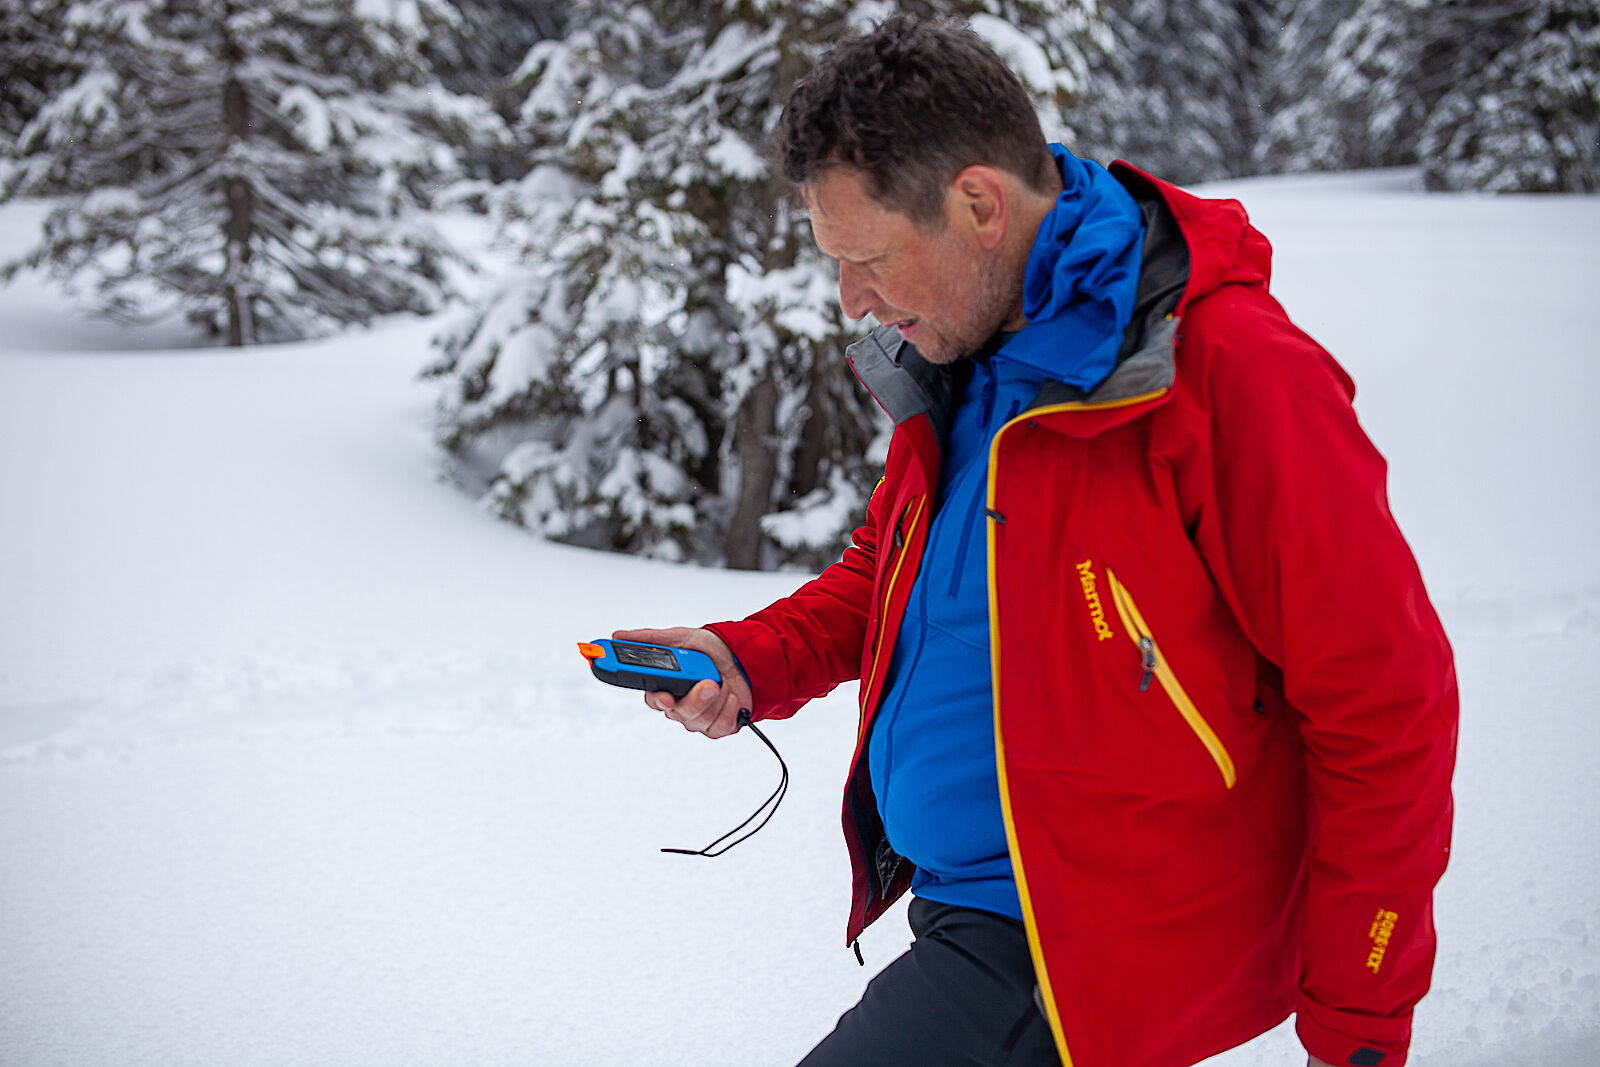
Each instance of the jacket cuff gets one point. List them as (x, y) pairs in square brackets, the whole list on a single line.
[(1352, 1038), (759, 658)]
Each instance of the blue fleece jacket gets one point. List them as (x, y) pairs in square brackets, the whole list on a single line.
[(932, 754)]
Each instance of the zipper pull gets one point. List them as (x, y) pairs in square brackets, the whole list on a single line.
[(1147, 659)]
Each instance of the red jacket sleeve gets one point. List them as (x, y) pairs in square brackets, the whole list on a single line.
[(807, 643), (1299, 533)]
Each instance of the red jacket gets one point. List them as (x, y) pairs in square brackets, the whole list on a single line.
[(1225, 711)]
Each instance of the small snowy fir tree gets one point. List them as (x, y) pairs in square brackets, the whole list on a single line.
[(1177, 89), (1522, 113), (256, 164), (666, 377)]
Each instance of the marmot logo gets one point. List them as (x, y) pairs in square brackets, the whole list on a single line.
[(1097, 611)]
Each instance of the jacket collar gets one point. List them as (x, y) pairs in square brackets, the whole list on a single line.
[(906, 385)]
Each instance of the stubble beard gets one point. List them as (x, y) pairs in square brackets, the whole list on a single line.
[(992, 294)]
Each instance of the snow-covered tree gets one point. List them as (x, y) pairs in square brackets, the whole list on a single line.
[(489, 40), (1178, 87), (1488, 94), (1302, 128), (36, 60), (258, 164), (666, 376), (1522, 113), (1362, 97)]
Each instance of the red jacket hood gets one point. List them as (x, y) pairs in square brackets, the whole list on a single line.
[(1224, 249), (1194, 247)]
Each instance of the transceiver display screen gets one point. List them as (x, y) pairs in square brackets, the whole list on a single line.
[(645, 656)]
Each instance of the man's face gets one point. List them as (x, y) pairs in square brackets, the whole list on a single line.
[(945, 292)]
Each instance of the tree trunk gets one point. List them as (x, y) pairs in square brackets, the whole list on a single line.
[(814, 433), (239, 228), (754, 430)]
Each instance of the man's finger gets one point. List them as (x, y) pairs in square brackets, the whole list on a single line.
[(673, 636)]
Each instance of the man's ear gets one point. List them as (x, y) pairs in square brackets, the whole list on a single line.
[(979, 203)]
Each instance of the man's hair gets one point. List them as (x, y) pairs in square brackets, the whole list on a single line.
[(911, 105)]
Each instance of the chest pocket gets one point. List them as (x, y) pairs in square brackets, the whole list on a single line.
[(1156, 668)]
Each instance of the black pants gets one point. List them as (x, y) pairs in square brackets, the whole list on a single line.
[(963, 994)]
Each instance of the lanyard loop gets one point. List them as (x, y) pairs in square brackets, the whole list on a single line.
[(712, 850)]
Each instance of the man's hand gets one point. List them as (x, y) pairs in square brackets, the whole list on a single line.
[(707, 708)]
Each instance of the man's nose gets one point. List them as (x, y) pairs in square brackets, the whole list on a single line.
[(856, 295)]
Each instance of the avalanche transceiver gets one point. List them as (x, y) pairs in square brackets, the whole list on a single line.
[(652, 668)]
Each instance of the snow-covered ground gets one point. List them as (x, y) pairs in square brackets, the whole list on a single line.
[(299, 765)]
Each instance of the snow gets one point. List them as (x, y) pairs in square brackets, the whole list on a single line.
[(90, 102), (630, 160), (733, 47), (813, 521), (32, 312), (309, 115), (733, 156), (1021, 53), (798, 292), (298, 764)]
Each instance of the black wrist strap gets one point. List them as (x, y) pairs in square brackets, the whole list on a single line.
[(713, 850)]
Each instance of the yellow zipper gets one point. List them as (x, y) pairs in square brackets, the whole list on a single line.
[(1155, 664), (1041, 972), (883, 609)]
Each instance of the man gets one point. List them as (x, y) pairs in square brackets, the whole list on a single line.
[(1157, 720)]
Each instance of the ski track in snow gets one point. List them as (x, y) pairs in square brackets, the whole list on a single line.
[(298, 764), (308, 698), (305, 701)]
